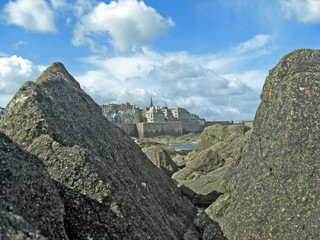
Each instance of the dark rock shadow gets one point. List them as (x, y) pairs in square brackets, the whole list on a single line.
[(200, 200)]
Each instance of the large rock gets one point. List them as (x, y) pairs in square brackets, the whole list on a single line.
[(180, 161), (210, 229), (109, 188), (274, 192), (216, 152), (219, 133), (30, 204), (161, 158)]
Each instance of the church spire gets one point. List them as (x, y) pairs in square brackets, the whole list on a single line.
[(151, 104)]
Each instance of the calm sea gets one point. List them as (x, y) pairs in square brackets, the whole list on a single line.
[(183, 146)]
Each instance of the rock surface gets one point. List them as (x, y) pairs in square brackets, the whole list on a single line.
[(219, 133), (30, 204), (199, 200), (274, 191), (210, 230), (180, 161), (215, 153), (161, 158), (204, 229), (109, 189)]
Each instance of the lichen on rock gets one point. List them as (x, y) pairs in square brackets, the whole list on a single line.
[(97, 168), (217, 150), (274, 191), (161, 158), (30, 204)]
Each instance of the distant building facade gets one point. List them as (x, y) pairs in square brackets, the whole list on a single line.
[(122, 113), (154, 114)]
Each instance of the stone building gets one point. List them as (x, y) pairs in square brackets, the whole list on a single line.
[(110, 111), (154, 114), (132, 115), (167, 114), (181, 114), (124, 113)]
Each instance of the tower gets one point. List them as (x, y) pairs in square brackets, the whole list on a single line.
[(151, 104)]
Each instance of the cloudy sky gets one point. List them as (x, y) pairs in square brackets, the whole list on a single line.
[(208, 56)]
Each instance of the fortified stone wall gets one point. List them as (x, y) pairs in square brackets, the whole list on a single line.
[(159, 129), (207, 124), (129, 128), (151, 129), (248, 123), (194, 128)]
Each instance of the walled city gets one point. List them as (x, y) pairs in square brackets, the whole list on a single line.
[(155, 121)]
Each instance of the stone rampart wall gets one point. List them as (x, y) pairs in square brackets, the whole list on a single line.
[(129, 128), (140, 130), (159, 129), (248, 123), (192, 128), (146, 129), (207, 124)]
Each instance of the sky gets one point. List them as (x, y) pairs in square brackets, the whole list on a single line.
[(210, 57)]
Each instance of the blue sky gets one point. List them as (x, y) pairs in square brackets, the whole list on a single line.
[(208, 56)]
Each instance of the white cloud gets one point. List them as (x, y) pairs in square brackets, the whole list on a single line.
[(58, 3), (253, 78), (2, 54), (128, 25), (107, 88), (223, 63), (33, 15), (17, 45), (14, 71), (177, 78), (82, 7), (256, 43), (307, 11), (174, 70), (135, 67), (135, 78), (243, 53)]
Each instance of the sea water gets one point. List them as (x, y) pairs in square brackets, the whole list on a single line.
[(184, 146)]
